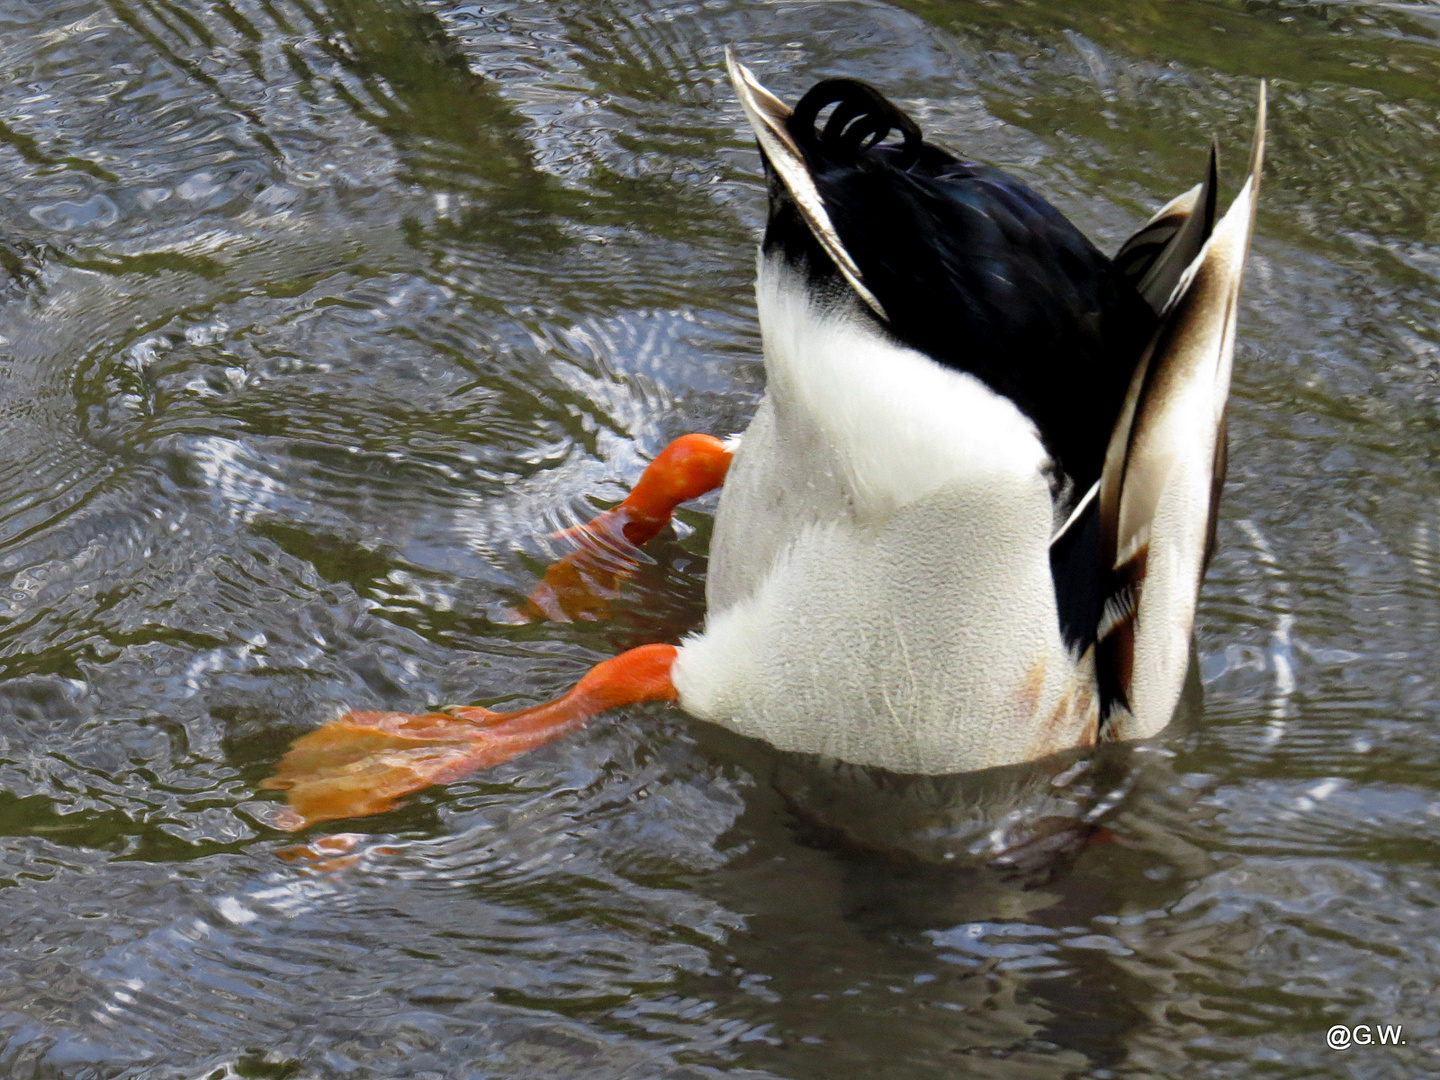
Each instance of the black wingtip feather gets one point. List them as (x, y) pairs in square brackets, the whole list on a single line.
[(1075, 571)]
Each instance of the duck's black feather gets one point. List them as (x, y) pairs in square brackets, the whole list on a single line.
[(1076, 570), (972, 268)]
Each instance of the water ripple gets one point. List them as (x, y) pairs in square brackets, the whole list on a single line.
[(317, 318)]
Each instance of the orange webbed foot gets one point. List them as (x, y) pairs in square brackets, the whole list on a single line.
[(364, 762), (582, 584)]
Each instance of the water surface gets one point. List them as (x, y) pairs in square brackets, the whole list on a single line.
[(316, 317)]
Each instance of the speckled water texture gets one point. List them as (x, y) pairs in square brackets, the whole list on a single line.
[(316, 317)]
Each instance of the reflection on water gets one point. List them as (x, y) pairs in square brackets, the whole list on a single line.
[(316, 318)]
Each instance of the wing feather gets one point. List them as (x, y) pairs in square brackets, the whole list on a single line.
[(1157, 256), (1160, 484)]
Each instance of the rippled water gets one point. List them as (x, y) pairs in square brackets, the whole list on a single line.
[(315, 319)]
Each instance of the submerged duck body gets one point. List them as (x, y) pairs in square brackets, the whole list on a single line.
[(907, 567), (967, 525)]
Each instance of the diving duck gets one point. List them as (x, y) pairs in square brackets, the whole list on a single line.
[(968, 523)]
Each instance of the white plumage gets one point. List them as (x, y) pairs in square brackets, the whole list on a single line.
[(879, 572)]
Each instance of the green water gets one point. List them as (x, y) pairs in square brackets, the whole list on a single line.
[(316, 319)]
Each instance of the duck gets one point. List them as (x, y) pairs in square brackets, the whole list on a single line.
[(968, 523)]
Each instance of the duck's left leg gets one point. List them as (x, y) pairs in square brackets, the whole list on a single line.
[(580, 585), (365, 761)]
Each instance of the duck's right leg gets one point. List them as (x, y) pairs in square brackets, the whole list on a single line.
[(580, 585)]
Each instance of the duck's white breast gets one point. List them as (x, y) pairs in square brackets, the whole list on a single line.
[(880, 586)]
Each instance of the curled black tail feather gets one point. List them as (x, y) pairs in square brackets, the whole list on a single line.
[(862, 118)]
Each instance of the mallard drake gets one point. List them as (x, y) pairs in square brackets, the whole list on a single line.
[(968, 523)]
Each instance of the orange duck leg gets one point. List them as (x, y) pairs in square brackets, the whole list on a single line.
[(365, 761)]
